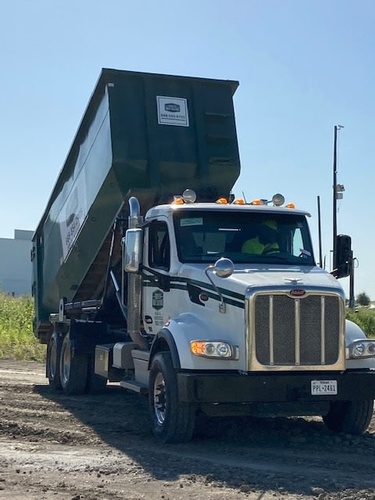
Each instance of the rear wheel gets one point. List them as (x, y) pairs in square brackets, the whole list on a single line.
[(73, 369), (53, 359), (172, 420), (96, 384), (351, 417)]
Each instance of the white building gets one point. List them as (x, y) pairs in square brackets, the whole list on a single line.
[(15, 263)]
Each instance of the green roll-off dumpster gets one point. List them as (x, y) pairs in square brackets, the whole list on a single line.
[(149, 135)]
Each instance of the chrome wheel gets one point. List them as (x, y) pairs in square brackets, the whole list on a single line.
[(65, 363), (53, 360), (160, 403)]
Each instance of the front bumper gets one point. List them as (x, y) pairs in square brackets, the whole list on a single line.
[(215, 387)]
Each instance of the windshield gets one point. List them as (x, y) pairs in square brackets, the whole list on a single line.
[(204, 236)]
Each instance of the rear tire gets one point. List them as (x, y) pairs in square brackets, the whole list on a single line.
[(172, 420), (351, 417), (73, 369), (96, 384), (53, 360)]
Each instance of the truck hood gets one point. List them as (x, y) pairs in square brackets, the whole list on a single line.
[(269, 276), (281, 276)]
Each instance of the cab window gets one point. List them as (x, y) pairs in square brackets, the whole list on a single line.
[(159, 246)]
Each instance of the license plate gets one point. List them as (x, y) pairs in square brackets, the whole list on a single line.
[(323, 387)]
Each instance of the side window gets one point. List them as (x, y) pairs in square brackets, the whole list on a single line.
[(159, 246), (297, 243)]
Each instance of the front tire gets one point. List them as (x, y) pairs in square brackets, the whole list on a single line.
[(53, 360), (172, 420), (351, 417), (73, 369)]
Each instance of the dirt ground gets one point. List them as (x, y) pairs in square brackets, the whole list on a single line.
[(100, 447)]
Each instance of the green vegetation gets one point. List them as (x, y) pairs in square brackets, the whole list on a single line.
[(363, 299), (17, 340), (365, 319)]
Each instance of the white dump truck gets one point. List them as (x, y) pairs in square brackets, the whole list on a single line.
[(149, 272)]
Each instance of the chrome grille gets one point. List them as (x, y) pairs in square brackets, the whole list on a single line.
[(291, 331)]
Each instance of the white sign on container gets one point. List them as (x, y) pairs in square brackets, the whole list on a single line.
[(172, 111)]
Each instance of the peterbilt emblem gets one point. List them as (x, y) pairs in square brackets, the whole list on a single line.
[(172, 107), (297, 292)]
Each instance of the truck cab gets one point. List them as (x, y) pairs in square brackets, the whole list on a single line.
[(184, 240)]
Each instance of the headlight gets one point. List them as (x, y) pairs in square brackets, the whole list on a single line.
[(213, 349), (361, 349)]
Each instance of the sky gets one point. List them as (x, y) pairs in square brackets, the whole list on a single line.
[(304, 66)]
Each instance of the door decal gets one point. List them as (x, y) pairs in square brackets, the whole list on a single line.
[(157, 300)]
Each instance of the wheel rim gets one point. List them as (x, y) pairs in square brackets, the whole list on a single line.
[(160, 404), (53, 359), (65, 368)]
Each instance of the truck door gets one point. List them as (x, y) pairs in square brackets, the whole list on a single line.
[(156, 280)]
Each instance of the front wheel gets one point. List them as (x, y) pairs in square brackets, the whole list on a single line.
[(172, 420), (351, 417), (73, 369)]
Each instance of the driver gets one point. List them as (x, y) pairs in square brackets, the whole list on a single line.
[(265, 242)]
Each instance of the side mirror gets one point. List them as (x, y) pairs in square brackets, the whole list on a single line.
[(132, 250), (223, 268), (344, 256)]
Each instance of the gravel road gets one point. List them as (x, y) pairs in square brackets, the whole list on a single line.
[(100, 447)]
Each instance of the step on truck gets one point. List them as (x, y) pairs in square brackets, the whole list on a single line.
[(148, 271)]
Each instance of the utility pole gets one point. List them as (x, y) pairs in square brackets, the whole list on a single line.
[(351, 283), (334, 197), (320, 234)]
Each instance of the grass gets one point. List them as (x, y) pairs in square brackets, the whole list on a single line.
[(365, 318), (17, 340)]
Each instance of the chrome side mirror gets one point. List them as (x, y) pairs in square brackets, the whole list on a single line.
[(132, 250), (223, 268)]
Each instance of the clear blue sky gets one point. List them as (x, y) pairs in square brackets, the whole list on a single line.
[(303, 67)]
